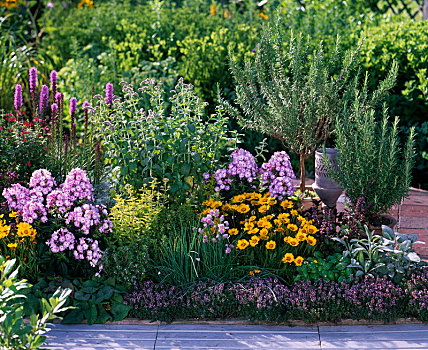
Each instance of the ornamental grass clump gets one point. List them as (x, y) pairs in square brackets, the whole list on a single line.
[(290, 93)]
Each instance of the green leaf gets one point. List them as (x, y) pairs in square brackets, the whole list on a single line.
[(79, 295), (104, 294), (74, 316), (120, 311), (192, 128), (90, 312), (124, 170), (103, 315), (185, 169)]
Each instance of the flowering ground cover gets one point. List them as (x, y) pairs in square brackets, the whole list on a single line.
[(137, 198)]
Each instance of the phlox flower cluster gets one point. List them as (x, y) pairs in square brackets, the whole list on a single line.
[(78, 186), (243, 165), (277, 173), (67, 203), (60, 200), (16, 196), (87, 248), (41, 184), (33, 210), (87, 216), (281, 187), (274, 175), (61, 240)]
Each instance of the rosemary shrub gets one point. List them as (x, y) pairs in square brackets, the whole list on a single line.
[(371, 163), (291, 93)]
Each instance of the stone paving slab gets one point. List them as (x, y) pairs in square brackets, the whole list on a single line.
[(197, 336)]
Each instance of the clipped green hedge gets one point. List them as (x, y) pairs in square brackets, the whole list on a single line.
[(406, 42)]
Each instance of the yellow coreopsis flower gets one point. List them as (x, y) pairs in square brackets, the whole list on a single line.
[(254, 241), (90, 3), (212, 9), (293, 242), (248, 226), (287, 204), (311, 240), (288, 258), (298, 261), (239, 198), (264, 234), (253, 231), (264, 208), (242, 244), (292, 227), (294, 212), (24, 229), (12, 246), (271, 245), (243, 208), (4, 230), (301, 236), (13, 214), (312, 229), (233, 231)]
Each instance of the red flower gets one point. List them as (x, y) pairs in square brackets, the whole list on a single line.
[(29, 164)]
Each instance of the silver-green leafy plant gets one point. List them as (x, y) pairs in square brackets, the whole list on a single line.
[(371, 163), (145, 139), (14, 332), (290, 93), (389, 255)]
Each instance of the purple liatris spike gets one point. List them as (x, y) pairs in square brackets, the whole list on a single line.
[(73, 106), (109, 94), (54, 109), (33, 80), (59, 96), (18, 97), (44, 98), (54, 80)]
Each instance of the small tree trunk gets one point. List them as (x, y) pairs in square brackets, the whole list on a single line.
[(302, 173), (425, 10)]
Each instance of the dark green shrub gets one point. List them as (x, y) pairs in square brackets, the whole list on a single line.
[(405, 42), (152, 40)]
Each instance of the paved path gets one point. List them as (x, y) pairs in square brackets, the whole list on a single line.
[(413, 217), (198, 336)]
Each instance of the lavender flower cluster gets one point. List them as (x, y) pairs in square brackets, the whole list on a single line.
[(268, 299), (68, 203), (417, 288), (275, 175)]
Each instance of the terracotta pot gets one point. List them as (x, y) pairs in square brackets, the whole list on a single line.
[(385, 218), (307, 201)]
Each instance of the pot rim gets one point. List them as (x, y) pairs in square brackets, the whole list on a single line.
[(328, 150)]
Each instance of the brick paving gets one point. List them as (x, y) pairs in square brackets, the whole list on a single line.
[(412, 216)]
